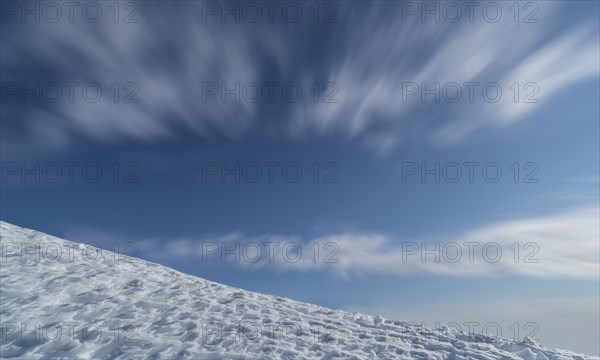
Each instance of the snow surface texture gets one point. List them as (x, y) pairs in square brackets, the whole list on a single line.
[(117, 307)]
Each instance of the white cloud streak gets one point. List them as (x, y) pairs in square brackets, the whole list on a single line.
[(170, 52), (378, 62), (566, 244)]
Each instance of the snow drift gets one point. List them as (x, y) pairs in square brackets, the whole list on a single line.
[(61, 299)]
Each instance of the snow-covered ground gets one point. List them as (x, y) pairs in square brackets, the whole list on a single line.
[(60, 299)]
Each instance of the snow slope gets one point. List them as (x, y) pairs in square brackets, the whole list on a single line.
[(84, 306)]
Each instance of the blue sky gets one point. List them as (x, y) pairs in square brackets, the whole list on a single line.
[(369, 60)]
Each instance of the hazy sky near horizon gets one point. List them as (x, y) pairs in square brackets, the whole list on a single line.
[(422, 160)]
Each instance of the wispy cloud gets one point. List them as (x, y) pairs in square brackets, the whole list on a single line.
[(170, 52), (543, 73), (377, 65), (560, 245), (167, 54)]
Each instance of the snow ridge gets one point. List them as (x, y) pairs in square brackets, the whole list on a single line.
[(62, 300)]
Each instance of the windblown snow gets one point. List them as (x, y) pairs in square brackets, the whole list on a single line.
[(61, 299)]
